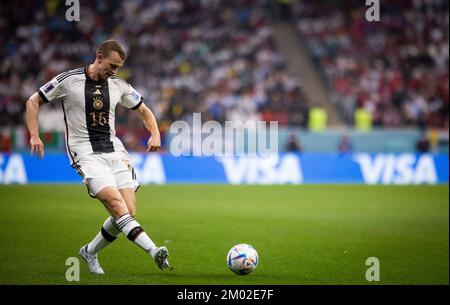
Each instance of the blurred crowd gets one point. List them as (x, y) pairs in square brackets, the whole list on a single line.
[(219, 58), (397, 69), (214, 57)]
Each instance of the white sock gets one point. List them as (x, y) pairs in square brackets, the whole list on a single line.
[(152, 251), (107, 235), (134, 232)]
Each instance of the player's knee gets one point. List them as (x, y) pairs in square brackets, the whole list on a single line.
[(119, 207), (116, 205)]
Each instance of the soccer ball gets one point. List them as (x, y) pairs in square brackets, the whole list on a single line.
[(242, 259)]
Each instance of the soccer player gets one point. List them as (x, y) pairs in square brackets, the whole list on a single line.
[(89, 97)]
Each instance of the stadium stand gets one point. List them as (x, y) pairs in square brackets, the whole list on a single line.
[(220, 58), (213, 57), (396, 69)]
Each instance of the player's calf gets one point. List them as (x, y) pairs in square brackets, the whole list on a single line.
[(134, 232), (113, 201)]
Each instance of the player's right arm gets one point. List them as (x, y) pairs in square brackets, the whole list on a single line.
[(32, 118), (53, 90)]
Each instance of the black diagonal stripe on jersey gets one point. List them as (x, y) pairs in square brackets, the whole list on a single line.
[(68, 72), (97, 120), (68, 75)]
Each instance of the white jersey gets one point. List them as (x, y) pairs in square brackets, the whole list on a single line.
[(89, 110)]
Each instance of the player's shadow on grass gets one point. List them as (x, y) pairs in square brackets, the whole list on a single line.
[(230, 278)]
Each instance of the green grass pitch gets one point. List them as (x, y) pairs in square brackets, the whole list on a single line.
[(308, 234)]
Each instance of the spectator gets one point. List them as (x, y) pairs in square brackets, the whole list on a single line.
[(5, 142), (345, 146), (396, 69), (423, 144), (214, 57), (285, 8), (293, 145)]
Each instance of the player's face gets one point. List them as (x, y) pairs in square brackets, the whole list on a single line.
[(109, 66)]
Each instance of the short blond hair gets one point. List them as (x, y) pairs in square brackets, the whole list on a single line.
[(107, 46)]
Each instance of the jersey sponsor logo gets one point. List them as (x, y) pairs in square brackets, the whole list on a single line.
[(149, 168), (67, 74), (397, 169), (274, 169), (12, 169)]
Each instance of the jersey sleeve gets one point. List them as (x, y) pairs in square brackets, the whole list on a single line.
[(130, 97), (53, 90)]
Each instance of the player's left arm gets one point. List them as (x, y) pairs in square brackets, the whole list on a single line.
[(152, 126)]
